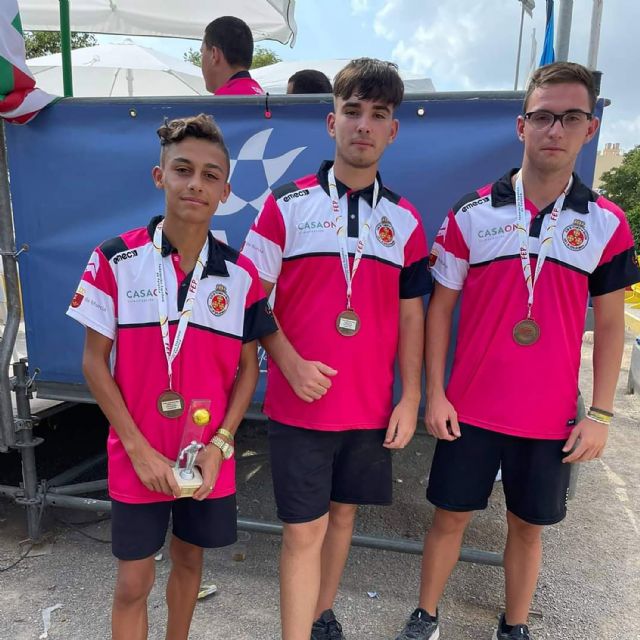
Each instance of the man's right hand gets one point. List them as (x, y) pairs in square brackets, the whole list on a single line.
[(310, 379), (155, 471), (441, 418)]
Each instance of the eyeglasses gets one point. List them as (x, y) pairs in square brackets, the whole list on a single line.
[(573, 119)]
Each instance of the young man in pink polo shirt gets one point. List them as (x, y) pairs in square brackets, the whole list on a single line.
[(172, 315), (349, 258), (227, 53), (525, 252)]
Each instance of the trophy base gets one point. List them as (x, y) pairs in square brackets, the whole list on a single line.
[(188, 487)]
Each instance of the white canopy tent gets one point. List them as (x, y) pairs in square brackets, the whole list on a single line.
[(273, 78), (120, 69), (268, 19)]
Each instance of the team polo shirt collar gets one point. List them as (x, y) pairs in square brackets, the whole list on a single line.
[(239, 75), (216, 265), (578, 198), (366, 193)]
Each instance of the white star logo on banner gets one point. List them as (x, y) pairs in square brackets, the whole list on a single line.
[(274, 168)]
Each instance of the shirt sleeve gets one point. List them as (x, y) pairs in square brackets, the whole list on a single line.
[(618, 266), (258, 316), (449, 258), (415, 279), (94, 303), (264, 244)]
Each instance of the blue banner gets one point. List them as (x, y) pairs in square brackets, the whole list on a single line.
[(81, 173), (548, 54)]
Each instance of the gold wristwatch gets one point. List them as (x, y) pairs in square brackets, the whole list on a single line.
[(226, 448)]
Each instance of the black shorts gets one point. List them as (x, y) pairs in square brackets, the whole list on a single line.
[(534, 478), (312, 468), (138, 530)]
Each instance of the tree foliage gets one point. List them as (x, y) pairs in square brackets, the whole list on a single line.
[(261, 57), (622, 185), (193, 56), (44, 43)]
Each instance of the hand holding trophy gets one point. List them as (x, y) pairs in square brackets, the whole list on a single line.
[(185, 472)]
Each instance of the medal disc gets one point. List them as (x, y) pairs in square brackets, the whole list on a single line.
[(170, 404), (526, 332), (348, 323)]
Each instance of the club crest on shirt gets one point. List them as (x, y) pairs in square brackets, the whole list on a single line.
[(218, 301), (433, 257), (385, 233), (78, 297), (575, 236)]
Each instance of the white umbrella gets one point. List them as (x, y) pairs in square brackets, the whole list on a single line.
[(120, 69), (268, 19), (273, 78)]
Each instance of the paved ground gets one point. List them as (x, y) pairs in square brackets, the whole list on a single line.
[(589, 587)]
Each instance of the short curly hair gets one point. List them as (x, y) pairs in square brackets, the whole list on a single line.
[(202, 126)]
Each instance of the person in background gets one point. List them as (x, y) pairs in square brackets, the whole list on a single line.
[(227, 52), (309, 81)]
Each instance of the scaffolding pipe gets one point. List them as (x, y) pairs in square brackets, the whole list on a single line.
[(594, 40), (563, 37), (273, 528), (12, 288)]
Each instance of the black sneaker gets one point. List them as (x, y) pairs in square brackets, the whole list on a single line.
[(420, 626), (518, 632), (326, 627)]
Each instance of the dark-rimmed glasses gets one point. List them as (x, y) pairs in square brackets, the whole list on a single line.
[(572, 119)]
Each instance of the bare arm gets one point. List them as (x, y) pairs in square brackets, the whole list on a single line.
[(153, 469), (402, 423), (310, 380), (210, 458), (608, 345), (441, 418)]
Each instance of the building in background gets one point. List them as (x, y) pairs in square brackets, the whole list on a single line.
[(609, 158)]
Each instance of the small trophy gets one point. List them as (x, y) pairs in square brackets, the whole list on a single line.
[(185, 472)]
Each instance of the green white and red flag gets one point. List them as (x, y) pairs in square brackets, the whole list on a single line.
[(20, 101)]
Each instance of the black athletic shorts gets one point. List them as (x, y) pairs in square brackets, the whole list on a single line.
[(534, 478), (138, 530), (312, 468)]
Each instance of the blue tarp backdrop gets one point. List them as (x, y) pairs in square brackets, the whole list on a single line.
[(81, 173)]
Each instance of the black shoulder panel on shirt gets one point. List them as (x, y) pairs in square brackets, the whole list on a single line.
[(466, 199), (284, 190), (392, 196), (112, 247), (620, 272), (228, 253)]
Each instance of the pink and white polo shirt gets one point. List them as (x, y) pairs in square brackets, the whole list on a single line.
[(293, 242), (240, 84), (117, 297), (529, 391)]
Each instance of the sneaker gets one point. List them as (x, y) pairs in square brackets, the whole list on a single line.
[(518, 632), (326, 627), (420, 626)]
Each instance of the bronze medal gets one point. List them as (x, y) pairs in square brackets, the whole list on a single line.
[(170, 404), (526, 332), (348, 323)]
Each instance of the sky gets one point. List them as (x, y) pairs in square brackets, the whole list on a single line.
[(466, 45)]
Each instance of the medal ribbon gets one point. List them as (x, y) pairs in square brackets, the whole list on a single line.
[(341, 232), (163, 299), (522, 227)]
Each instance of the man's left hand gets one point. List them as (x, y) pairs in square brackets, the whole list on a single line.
[(209, 460), (402, 424), (589, 439)]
